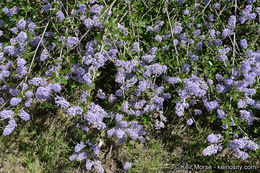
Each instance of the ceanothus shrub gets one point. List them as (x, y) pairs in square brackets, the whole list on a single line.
[(204, 68)]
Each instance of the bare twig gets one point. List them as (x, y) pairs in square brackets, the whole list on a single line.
[(123, 17), (30, 68), (234, 55), (203, 10), (78, 41), (257, 38), (130, 11), (172, 38)]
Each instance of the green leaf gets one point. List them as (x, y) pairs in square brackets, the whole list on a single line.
[(73, 86), (65, 82), (61, 77), (88, 99)]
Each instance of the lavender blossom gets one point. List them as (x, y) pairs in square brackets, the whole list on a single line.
[(1, 55), (15, 101), (180, 107), (60, 16), (218, 42), (226, 33), (112, 98), (136, 47), (7, 114), (212, 149), (72, 41), (213, 138), (199, 46), (101, 94), (173, 80), (95, 116), (24, 115), (22, 36), (10, 127), (217, 5), (210, 17), (186, 12), (44, 55), (43, 93), (123, 124), (148, 58), (2, 101), (10, 50), (158, 38), (247, 116), (186, 68), (118, 117), (153, 50), (79, 147), (177, 28), (20, 62), (78, 156), (96, 9), (47, 7), (119, 133), (72, 111), (189, 122), (197, 112), (56, 87), (31, 26), (28, 94), (127, 166), (62, 102), (221, 114), (232, 22), (21, 24), (211, 105), (37, 81), (243, 43)]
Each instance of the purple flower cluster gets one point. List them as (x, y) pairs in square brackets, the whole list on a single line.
[(96, 164), (37, 81), (96, 9), (10, 127), (243, 43), (24, 115), (180, 107), (247, 15), (189, 122), (213, 138), (123, 129), (212, 149), (223, 54), (72, 111), (242, 143), (15, 101), (7, 114), (60, 16), (56, 87), (44, 55), (127, 165), (43, 93), (95, 116), (72, 41), (62, 102)]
